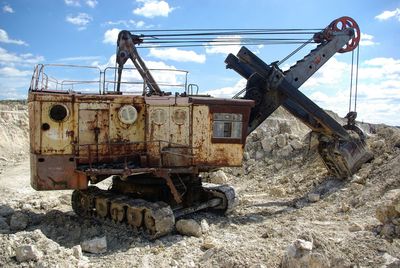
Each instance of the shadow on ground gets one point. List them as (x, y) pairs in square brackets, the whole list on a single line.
[(68, 230)]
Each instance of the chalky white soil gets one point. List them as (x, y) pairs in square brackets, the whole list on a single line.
[(284, 194)]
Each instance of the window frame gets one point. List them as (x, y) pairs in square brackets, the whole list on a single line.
[(243, 110)]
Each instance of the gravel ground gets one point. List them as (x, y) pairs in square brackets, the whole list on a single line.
[(290, 212)]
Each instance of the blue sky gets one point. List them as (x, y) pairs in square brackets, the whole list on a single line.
[(84, 32)]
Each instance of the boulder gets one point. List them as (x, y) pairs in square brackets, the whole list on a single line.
[(300, 254), (259, 155), (278, 165), (27, 253), (19, 221), (268, 144), (296, 144), (218, 177), (378, 144), (390, 261), (281, 140), (188, 227), (208, 243), (313, 197), (389, 209), (205, 228), (284, 127), (285, 151), (355, 227), (77, 252), (96, 245)]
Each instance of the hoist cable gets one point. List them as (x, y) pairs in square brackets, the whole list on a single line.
[(351, 80), (223, 44), (295, 51), (229, 29), (356, 89)]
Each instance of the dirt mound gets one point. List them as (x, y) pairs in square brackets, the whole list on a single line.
[(14, 139)]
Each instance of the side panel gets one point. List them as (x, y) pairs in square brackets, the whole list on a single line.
[(34, 126), (56, 137), (93, 133), (178, 153), (168, 135), (56, 172), (120, 132), (209, 153), (180, 125), (201, 134), (128, 140), (157, 132)]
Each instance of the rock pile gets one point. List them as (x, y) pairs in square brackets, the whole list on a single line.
[(277, 142), (34, 249), (388, 213)]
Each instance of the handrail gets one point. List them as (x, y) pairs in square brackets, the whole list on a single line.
[(44, 80), (168, 144)]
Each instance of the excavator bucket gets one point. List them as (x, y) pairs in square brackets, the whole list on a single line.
[(343, 158)]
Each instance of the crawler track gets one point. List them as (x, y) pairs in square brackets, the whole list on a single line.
[(155, 217)]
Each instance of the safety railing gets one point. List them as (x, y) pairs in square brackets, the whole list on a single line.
[(90, 155), (91, 79)]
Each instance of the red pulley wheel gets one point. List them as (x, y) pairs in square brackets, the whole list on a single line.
[(344, 23)]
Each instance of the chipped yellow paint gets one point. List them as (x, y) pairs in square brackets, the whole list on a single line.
[(207, 153), (201, 137), (56, 139), (173, 127)]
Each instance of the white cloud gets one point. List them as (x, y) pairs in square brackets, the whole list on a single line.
[(166, 76), (127, 23), (385, 15), (14, 82), (4, 38), (378, 89), (140, 24), (77, 3), (74, 3), (329, 74), (91, 3), (153, 8), (380, 68), (177, 55), (219, 48), (228, 92), (12, 59), (81, 20), (14, 72), (80, 58), (12, 94), (367, 40), (8, 9), (111, 36), (378, 98)]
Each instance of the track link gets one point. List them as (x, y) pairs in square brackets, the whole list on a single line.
[(156, 218), (225, 192)]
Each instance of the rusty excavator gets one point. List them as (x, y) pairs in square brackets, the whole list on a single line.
[(153, 145)]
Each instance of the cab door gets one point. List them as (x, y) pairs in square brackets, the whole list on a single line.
[(93, 137)]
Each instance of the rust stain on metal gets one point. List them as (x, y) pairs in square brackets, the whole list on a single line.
[(166, 133)]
